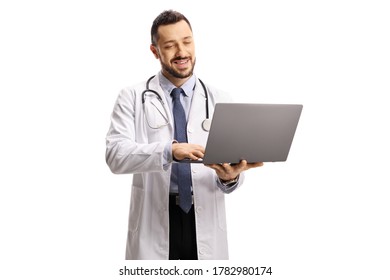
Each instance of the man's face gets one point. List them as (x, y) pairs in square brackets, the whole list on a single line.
[(176, 50)]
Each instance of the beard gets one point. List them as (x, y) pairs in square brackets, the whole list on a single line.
[(177, 74)]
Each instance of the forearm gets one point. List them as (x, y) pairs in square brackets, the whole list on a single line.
[(124, 157)]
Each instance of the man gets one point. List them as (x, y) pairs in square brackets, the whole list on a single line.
[(177, 210)]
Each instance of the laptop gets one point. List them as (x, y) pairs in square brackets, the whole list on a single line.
[(254, 132)]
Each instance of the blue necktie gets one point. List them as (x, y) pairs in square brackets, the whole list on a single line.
[(182, 170)]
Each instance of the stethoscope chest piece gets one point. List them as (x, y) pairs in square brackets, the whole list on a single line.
[(206, 124)]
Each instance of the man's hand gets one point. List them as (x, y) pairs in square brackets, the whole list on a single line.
[(227, 172), (181, 151)]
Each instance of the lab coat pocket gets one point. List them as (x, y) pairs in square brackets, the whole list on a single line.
[(136, 204), (155, 115)]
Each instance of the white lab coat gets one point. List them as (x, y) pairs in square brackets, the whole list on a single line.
[(134, 147)]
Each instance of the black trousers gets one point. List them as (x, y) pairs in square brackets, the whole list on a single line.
[(182, 233)]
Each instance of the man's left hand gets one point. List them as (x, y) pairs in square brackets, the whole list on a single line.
[(227, 172)]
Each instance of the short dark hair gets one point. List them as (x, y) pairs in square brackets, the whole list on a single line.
[(165, 18)]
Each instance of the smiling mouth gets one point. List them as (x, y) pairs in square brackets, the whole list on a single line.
[(181, 61)]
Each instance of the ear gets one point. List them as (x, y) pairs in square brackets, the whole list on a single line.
[(154, 51)]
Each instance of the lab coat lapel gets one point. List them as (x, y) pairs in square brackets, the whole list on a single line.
[(198, 104), (155, 85), (196, 115)]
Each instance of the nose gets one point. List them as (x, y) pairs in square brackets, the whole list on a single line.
[(181, 50)]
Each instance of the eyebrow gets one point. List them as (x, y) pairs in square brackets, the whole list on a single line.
[(173, 41)]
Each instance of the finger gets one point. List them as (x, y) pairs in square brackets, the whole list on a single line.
[(201, 148), (192, 156), (216, 167), (198, 154), (227, 167), (198, 148), (195, 155), (256, 164), (242, 165), (236, 168)]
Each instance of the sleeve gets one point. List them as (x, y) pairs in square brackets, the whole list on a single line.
[(124, 154), (226, 188)]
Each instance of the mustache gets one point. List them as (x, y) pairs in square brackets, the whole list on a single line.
[(180, 58)]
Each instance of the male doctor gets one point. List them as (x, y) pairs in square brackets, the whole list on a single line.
[(177, 210)]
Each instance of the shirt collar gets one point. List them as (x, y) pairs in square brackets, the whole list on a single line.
[(167, 86)]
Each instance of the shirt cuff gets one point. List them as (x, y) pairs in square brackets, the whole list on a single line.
[(227, 188)]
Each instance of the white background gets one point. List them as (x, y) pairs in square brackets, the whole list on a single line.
[(323, 214)]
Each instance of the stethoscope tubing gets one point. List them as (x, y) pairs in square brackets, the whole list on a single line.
[(205, 124)]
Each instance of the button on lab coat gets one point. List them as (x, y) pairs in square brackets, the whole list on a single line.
[(135, 148)]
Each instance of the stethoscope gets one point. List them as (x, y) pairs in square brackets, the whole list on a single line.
[(205, 124)]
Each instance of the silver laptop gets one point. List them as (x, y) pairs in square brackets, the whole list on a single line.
[(254, 132)]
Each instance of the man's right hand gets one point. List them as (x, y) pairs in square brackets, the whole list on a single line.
[(182, 151)]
